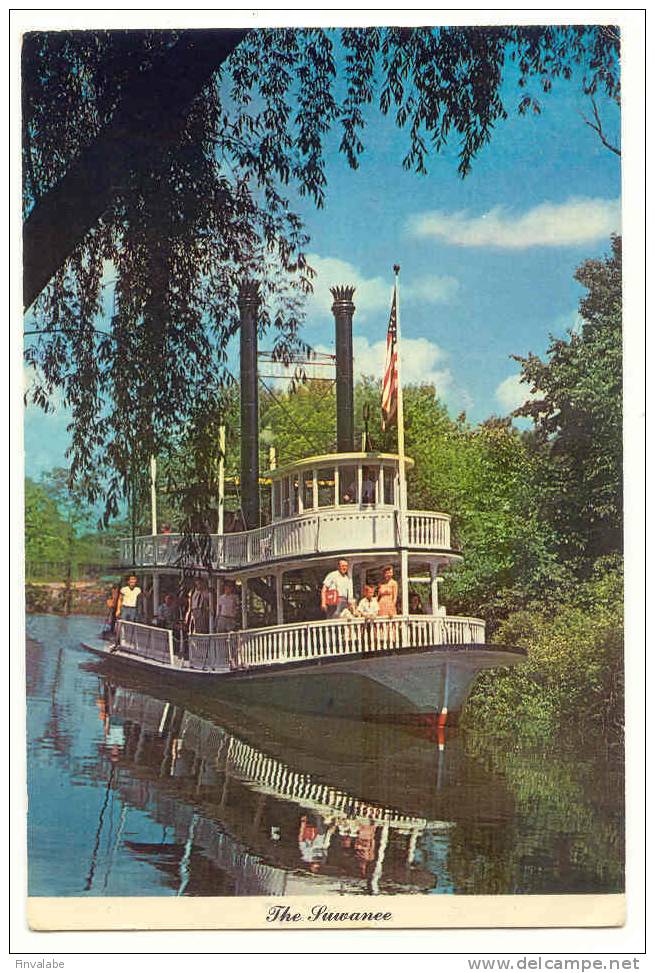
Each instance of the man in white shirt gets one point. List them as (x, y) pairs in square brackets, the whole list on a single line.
[(128, 602), (227, 609), (338, 581)]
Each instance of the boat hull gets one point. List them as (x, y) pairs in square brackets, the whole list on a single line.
[(405, 685)]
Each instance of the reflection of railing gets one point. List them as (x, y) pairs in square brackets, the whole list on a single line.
[(146, 641), (323, 532), (274, 777), (228, 754), (306, 641)]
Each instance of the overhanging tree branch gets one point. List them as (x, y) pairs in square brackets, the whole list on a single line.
[(152, 111), (597, 126)]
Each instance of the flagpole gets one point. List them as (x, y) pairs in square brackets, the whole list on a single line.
[(402, 497)]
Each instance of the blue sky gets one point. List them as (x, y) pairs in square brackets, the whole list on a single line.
[(487, 262)]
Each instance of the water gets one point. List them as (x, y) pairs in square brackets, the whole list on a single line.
[(137, 792)]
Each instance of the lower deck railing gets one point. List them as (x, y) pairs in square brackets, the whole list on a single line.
[(256, 648), (147, 641)]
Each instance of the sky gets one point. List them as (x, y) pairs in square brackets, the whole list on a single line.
[(487, 261)]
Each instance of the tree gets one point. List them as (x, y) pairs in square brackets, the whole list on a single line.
[(184, 213), (44, 526), (577, 412)]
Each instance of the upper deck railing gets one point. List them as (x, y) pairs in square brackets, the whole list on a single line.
[(326, 531)]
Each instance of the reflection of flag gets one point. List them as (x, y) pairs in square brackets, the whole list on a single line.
[(390, 382)]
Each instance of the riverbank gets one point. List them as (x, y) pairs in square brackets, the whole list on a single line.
[(55, 597)]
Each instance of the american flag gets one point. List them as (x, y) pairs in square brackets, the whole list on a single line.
[(390, 383)]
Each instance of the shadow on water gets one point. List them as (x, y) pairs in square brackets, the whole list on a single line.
[(138, 791)]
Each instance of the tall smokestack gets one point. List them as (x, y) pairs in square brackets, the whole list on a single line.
[(248, 307), (343, 310)]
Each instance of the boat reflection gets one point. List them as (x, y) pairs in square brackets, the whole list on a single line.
[(239, 820)]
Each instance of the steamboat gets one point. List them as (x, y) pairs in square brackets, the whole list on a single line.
[(340, 513)]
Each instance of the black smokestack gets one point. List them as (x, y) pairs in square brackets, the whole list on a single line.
[(343, 310), (248, 307)]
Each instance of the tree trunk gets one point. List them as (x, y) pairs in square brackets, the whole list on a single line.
[(152, 110)]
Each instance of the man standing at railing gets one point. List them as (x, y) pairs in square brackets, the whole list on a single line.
[(337, 592), (128, 601), (227, 609)]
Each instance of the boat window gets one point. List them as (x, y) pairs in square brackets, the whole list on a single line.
[(389, 485), (348, 484), (326, 487), (369, 484), (293, 480), (308, 489), (285, 496), (276, 498)]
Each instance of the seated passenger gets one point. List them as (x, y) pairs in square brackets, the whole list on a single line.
[(349, 495), (368, 487), (368, 607), (167, 612), (415, 605)]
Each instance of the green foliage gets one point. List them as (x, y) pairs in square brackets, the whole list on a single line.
[(487, 479), (45, 528), (572, 790), (57, 525), (573, 674), (301, 423), (577, 411)]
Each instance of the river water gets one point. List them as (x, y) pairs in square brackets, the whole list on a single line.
[(134, 791)]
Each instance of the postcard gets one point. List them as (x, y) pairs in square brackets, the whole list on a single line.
[(324, 517)]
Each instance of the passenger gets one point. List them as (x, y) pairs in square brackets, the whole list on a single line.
[(314, 836), (368, 606), (337, 594), (227, 609), (112, 608), (415, 605), (388, 593), (197, 616), (127, 608), (167, 612), (349, 495), (368, 487), (365, 846)]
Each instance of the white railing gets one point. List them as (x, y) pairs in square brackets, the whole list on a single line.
[(321, 532), (300, 642), (146, 641), (319, 640), (428, 530), (209, 652)]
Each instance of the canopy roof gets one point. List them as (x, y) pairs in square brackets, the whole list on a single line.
[(334, 459)]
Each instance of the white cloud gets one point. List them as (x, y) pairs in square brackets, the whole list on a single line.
[(372, 294), (576, 221), (423, 362), (430, 289), (512, 392)]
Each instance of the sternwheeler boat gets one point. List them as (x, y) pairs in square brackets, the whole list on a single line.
[(407, 666)]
